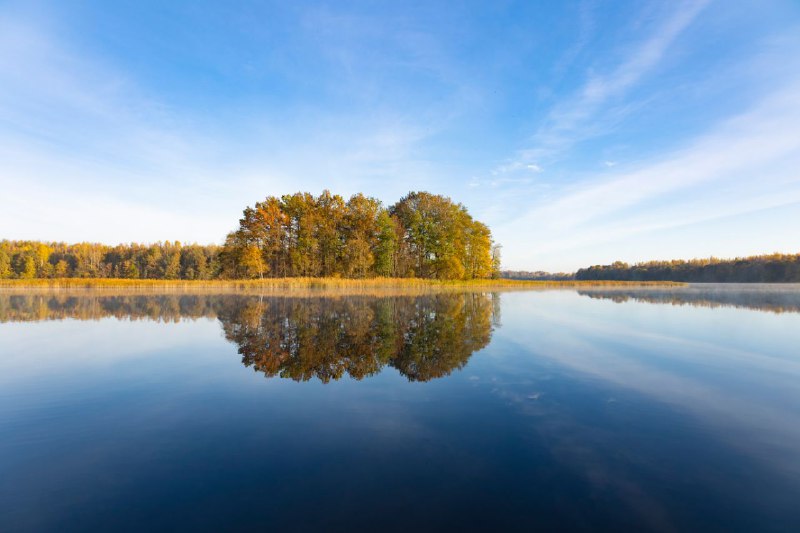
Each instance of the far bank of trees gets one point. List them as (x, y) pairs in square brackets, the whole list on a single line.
[(163, 260), (538, 275), (774, 268), (423, 235)]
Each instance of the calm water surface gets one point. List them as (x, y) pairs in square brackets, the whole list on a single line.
[(602, 409)]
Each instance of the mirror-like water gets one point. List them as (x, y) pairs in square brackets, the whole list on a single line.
[(661, 409)]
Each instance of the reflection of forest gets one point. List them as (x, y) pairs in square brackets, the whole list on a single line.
[(30, 307), (423, 337), (772, 298)]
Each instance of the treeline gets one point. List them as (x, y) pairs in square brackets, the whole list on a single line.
[(774, 268), (423, 235), (537, 275), (163, 260)]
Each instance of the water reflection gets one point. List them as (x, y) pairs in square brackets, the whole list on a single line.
[(579, 414), (326, 338), (36, 306), (775, 298)]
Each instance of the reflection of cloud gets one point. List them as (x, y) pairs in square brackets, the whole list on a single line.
[(108, 342), (699, 378), (649, 418), (584, 447)]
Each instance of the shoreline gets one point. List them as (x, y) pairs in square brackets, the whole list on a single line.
[(309, 284)]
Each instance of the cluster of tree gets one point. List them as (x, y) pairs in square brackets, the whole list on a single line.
[(422, 337), (774, 268), (538, 275), (167, 260), (423, 235)]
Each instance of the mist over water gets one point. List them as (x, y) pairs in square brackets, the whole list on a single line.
[(656, 408)]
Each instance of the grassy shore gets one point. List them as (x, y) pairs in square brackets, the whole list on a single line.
[(283, 284)]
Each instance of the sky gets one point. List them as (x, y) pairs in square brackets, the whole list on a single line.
[(581, 132)]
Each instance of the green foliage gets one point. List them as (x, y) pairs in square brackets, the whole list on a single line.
[(386, 250), (441, 239)]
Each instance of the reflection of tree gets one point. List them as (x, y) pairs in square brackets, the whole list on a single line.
[(29, 307), (441, 337), (424, 338), (774, 298)]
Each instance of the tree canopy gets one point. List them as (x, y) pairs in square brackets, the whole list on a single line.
[(422, 235)]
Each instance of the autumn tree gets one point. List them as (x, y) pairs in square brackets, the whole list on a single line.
[(442, 239), (423, 235)]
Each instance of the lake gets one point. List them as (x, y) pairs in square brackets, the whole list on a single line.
[(666, 409)]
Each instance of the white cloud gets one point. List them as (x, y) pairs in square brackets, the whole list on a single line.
[(85, 147), (577, 118), (746, 164)]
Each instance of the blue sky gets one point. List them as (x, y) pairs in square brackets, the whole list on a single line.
[(581, 132)]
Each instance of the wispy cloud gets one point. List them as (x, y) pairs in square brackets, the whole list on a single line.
[(515, 166), (584, 114), (79, 132), (714, 176)]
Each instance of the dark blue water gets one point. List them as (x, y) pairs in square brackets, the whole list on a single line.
[(599, 410)]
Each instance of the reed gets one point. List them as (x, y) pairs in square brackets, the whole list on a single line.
[(307, 284)]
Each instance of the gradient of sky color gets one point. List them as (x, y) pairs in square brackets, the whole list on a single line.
[(582, 132)]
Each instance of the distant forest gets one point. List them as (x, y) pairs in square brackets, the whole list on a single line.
[(774, 268), (536, 276), (423, 235)]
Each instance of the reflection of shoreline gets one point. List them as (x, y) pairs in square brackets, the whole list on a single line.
[(423, 337), (774, 298), (291, 286), (35, 307)]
